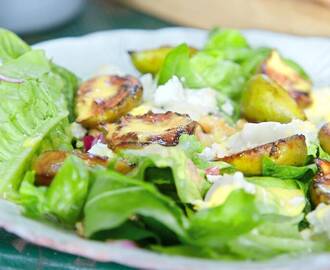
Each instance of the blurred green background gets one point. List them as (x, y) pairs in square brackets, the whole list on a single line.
[(97, 15)]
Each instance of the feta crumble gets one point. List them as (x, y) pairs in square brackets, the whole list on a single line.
[(101, 150), (149, 87), (172, 96), (253, 135), (77, 130)]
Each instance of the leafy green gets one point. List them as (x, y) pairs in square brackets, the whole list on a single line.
[(67, 193), (225, 38), (224, 64), (177, 64), (219, 73), (11, 46), (193, 147), (188, 179), (34, 117), (65, 196), (32, 198), (214, 227), (70, 84), (276, 235), (33, 110), (114, 199), (270, 168)]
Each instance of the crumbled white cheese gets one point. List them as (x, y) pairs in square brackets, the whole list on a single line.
[(253, 135), (211, 153), (101, 150), (319, 220), (172, 96), (77, 130), (149, 86)]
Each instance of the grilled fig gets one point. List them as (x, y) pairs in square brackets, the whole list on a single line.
[(48, 163), (151, 128), (287, 151), (288, 78), (320, 188), (150, 61), (105, 99), (264, 100), (324, 137)]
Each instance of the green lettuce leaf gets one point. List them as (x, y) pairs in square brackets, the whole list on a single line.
[(224, 64), (275, 236), (189, 181), (115, 199), (214, 227), (193, 147), (304, 173), (177, 64), (219, 73), (34, 117), (225, 38), (34, 109), (63, 200), (11, 46), (70, 84)]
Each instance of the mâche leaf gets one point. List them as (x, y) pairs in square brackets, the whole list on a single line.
[(114, 199), (63, 200)]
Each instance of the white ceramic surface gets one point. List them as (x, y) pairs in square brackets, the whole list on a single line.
[(83, 56)]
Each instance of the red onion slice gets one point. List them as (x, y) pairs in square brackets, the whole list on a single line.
[(10, 80)]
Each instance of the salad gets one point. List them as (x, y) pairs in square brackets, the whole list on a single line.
[(218, 152)]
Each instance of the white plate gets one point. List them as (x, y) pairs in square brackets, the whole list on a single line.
[(83, 56)]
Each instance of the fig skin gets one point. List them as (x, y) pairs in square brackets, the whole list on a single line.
[(151, 128), (150, 61), (106, 98), (288, 151), (48, 163), (288, 78), (263, 100), (324, 137), (320, 187)]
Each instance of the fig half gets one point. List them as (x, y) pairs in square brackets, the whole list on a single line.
[(264, 100), (150, 61), (288, 151), (288, 78), (324, 137), (48, 163), (151, 128), (106, 98), (320, 188)]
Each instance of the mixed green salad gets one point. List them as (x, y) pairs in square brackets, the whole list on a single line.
[(209, 153)]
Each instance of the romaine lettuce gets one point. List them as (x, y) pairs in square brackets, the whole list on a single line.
[(189, 181), (63, 200), (34, 112)]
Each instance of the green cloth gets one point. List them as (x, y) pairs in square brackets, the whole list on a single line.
[(96, 16)]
